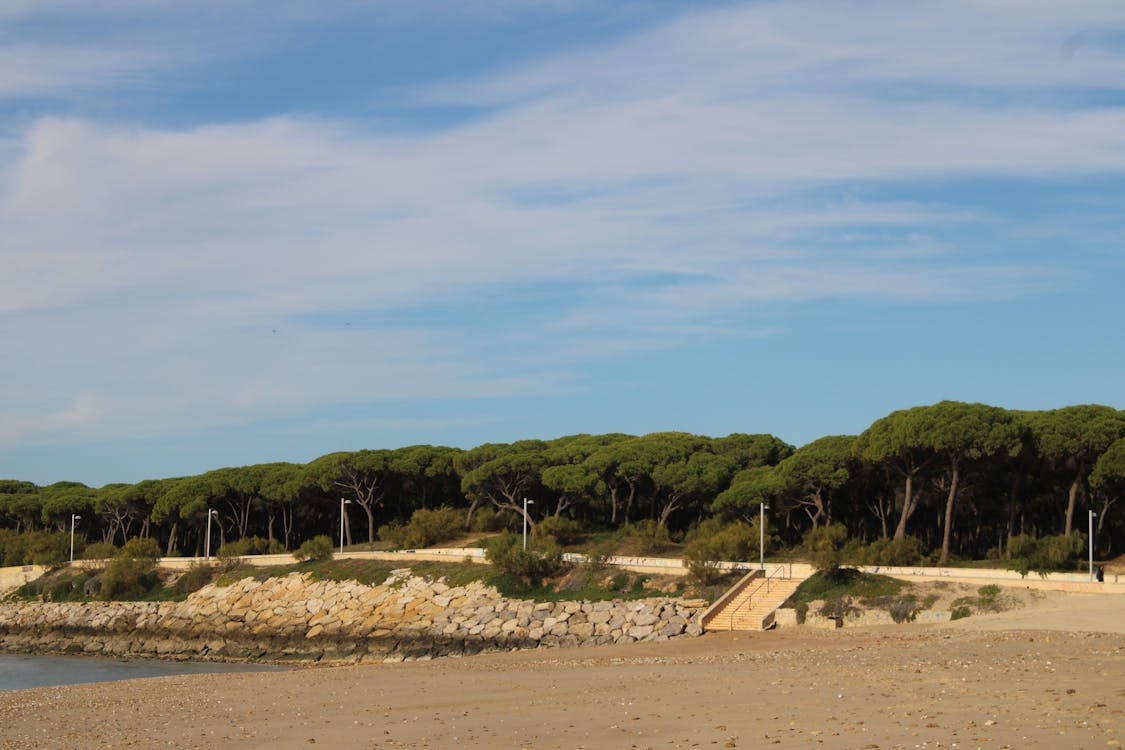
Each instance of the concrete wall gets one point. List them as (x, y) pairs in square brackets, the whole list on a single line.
[(13, 578)]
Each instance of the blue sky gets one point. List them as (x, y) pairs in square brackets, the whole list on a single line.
[(239, 231)]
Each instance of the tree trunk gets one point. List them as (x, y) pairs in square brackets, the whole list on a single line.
[(949, 501), (172, 540), (908, 502), (1072, 499), (473, 505), (370, 523), (1013, 500)]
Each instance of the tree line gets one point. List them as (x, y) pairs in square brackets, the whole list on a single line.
[(963, 479)]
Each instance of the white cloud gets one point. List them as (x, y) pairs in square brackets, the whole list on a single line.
[(707, 154)]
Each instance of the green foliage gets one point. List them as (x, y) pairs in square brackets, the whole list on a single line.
[(712, 541), (487, 519), (847, 582), (317, 548), (99, 551), (143, 550), (645, 537), (542, 558), (131, 574), (563, 531), (988, 593), (127, 578), (824, 546), (194, 578), (960, 612), (248, 545), (430, 527), (898, 552), (34, 547), (1046, 554)]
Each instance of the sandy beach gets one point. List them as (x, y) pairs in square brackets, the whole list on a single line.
[(1048, 676)]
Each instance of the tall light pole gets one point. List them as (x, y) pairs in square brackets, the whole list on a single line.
[(73, 518), (343, 502), (211, 513), (526, 503), (1092, 514), (762, 537)]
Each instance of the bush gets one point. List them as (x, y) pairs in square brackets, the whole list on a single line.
[(712, 541), (247, 545), (487, 519), (898, 552), (564, 531), (196, 577), (127, 578), (393, 533), (131, 573), (99, 551), (824, 546), (143, 550), (317, 548), (643, 538), (542, 559), (1047, 553), (35, 548)]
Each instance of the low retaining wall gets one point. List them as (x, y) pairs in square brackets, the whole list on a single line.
[(296, 618)]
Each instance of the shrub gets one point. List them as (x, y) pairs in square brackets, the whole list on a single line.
[(643, 538), (127, 578), (195, 578), (99, 551), (542, 559), (131, 572), (428, 527), (1046, 553), (317, 548), (35, 548), (900, 552), (393, 533), (487, 519), (712, 541), (824, 547), (564, 531), (143, 550), (247, 545)]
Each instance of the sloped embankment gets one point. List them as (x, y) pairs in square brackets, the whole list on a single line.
[(297, 618)]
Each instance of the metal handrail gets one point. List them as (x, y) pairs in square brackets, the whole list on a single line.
[(764, 582)]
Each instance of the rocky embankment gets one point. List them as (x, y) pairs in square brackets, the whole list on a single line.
[(296, 618)]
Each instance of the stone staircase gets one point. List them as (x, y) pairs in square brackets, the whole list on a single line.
[(750, 604)]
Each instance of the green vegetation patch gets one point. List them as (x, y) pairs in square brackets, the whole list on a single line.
[(848, 582)]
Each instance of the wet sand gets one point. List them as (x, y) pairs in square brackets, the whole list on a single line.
[(1048, 677)]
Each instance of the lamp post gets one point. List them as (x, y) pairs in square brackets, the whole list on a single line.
[(343, 502), (1092, 514), (73, 518), (526, 503), (762, 536), (211, 513)]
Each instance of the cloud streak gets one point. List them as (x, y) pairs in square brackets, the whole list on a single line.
[(673, 181)]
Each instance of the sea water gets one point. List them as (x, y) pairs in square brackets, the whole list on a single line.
[(18, 672)]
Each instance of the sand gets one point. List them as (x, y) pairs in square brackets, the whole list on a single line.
[(1048, 676)]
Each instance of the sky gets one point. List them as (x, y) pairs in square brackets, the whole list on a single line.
[(239, 231)]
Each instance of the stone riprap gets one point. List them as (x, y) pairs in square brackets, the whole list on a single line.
[(297, 618)]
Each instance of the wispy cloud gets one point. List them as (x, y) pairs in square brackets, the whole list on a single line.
[(676, 179)]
